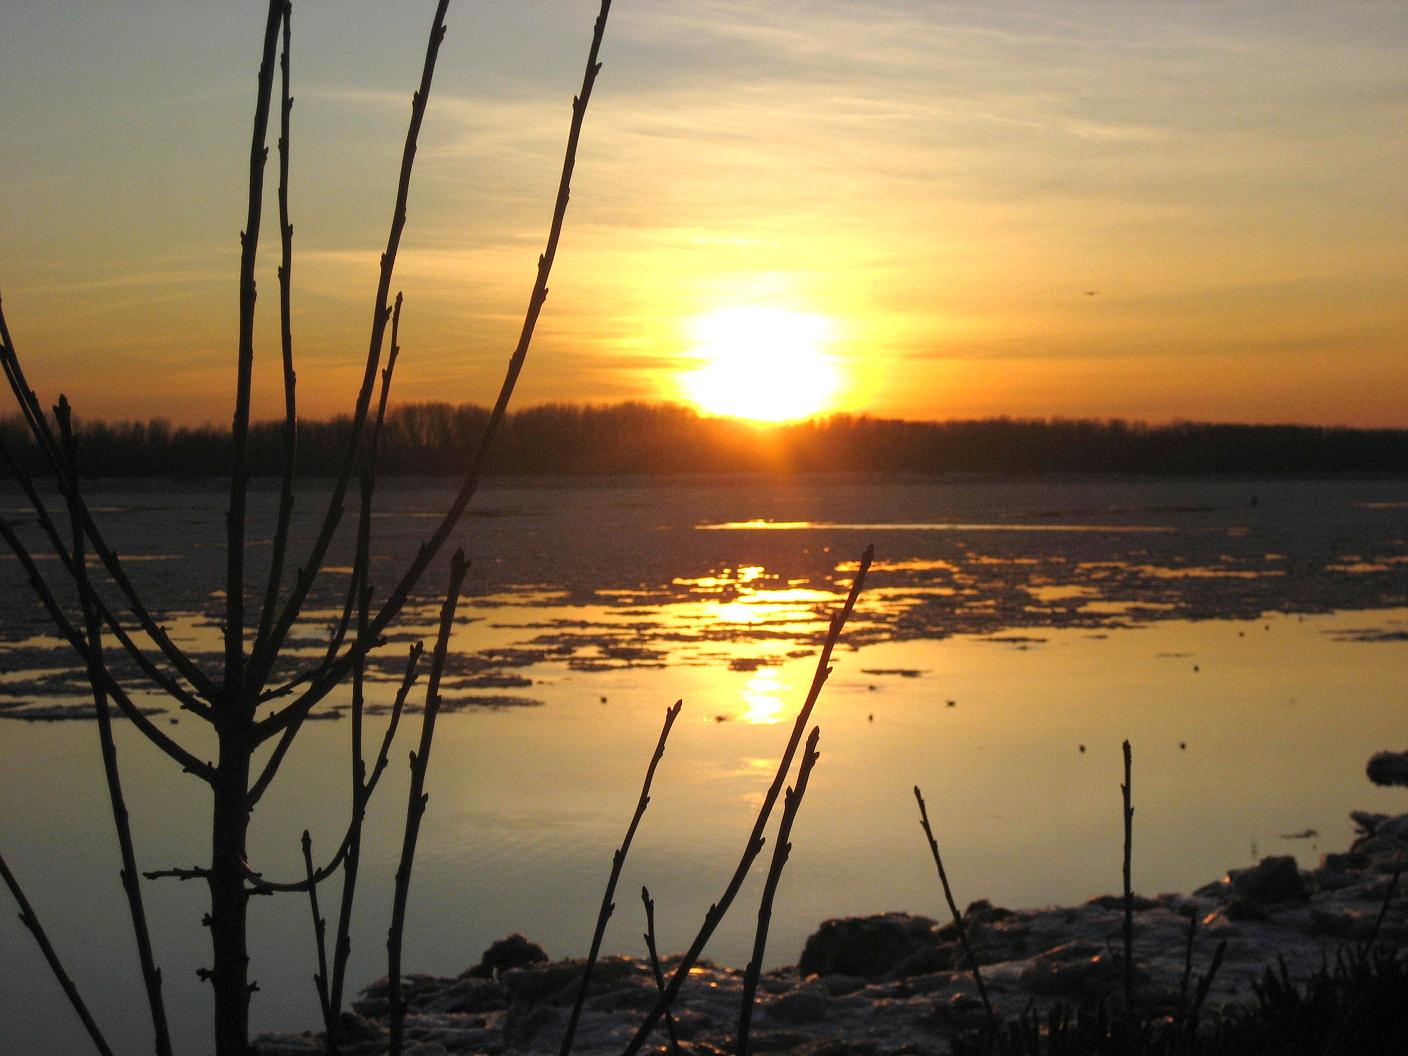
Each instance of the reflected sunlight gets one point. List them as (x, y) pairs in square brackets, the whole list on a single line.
[(767, 364), (763, 702)]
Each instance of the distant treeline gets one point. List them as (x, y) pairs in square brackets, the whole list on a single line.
[(436, 439)]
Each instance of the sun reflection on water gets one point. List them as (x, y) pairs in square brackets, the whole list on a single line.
[(762, 698)]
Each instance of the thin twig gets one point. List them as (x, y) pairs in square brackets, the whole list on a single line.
[(320, 980), (754, 844), (342, 947), (1128, 890), (655, 965), (244, 371), (188, 701), (416, 800), (131, 882), (618, 860), (43, 435), (263, 661), (31, 921), (76, 641), (320, 686), (958, 923), (781, 849), (360, 569), (285, 514)]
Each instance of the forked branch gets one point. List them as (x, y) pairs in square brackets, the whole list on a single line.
[(320, 685), (381, 313), (618, 860), (754, 845), (780, 852)]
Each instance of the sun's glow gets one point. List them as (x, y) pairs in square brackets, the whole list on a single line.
[(767, 364)]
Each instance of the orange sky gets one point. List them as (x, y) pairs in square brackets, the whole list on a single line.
[(936, 185)]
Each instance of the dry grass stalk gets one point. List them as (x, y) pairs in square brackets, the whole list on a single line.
[(992, 1024), (1187, 968), (754, 845), (618, 861), (1204, 987), (781, 849)]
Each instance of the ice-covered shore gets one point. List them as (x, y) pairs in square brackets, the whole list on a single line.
[(896, 982)]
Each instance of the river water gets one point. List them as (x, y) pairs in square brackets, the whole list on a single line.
[(1248, 638)]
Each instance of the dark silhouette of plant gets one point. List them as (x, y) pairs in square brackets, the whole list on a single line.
[(242, 703)]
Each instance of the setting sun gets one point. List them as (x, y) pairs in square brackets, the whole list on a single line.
[(767, 364)]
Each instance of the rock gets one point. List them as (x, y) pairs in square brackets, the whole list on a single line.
[(1388, 768), (1367, 820), (840, 985), (1076, 969), (984, 912), (1244, 909), (512, 952), (1117, 902), (1343, 923), (865, 946), (1343, 863), (1378, 848), (1395, 827), (806, 1004), (469, 994), (776, 1040), (557, 983), (1274, 880), (929, 959), (527, 1024)]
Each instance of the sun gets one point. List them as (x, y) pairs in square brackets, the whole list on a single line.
[(767, 364)]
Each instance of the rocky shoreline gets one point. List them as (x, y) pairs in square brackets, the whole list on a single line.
[(897, 983)]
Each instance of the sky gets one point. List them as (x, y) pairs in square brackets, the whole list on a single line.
[(1153, 210)]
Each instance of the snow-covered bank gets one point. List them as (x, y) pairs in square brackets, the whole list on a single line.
[(897, 982)]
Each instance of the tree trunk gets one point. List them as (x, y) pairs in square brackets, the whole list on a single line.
[(228, 899)]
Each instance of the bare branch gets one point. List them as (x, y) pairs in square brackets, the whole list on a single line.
[(75, 640), (416, 800), (1128, 890), (655, 965), (618, 860), (342, 947), (780, 852), (170, 686), (755, 839), (321, 685), (97, 678), (285, 514), (264, 658), (44, 437), (320, 980), (992, 1024), (239, 468), (31, 921)]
